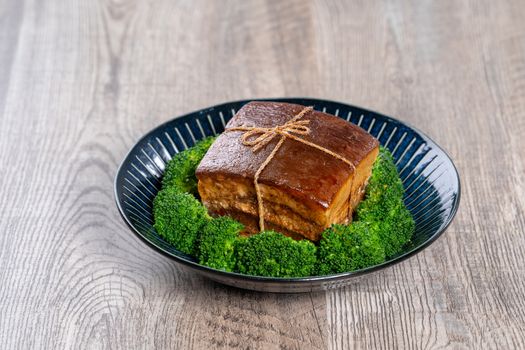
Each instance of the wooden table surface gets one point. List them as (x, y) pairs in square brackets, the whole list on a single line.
[(82, 80)]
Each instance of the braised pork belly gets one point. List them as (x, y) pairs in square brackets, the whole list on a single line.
[(303, 189)]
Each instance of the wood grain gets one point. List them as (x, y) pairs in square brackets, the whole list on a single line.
[(81, 80)]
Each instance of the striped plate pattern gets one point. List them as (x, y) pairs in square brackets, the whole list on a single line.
[(431, 181)]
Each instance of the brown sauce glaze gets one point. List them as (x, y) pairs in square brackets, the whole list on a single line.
[(306, 173)]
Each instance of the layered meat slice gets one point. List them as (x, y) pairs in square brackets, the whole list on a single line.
[(304, 189)]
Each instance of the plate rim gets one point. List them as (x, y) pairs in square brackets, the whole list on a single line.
[(282, 280)]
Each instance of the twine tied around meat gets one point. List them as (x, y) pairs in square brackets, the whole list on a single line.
[(258, 137)]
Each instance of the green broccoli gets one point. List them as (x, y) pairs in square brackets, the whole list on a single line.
[(218, 241), (180, 170), (272, 254), (381, 228), (383, 208), (179, 219), (395, 229), (346, 248), (384, 190)]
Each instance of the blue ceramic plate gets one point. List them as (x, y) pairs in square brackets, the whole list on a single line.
[(432, 186)]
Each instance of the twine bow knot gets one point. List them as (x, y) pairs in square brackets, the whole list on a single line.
[(263, 136)]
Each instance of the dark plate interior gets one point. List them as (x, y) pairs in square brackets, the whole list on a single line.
[(432, 186)]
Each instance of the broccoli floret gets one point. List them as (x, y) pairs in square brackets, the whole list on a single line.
[(218, 241), (395, 230), (382, 226), (383, 208), (272, 254), (384, 190), (180, 170), (179, 219), (346, 248)]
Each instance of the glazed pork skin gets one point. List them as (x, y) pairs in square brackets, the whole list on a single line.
[(304, 189)]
